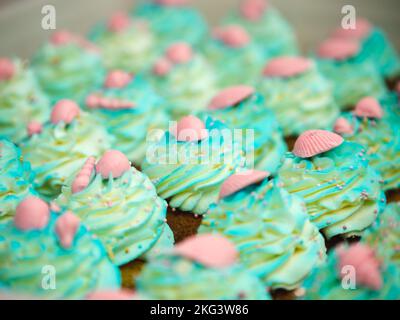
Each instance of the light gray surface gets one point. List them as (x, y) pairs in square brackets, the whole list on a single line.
[(21, 33)]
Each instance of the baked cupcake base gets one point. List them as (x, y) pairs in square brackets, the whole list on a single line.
[(183, 224)]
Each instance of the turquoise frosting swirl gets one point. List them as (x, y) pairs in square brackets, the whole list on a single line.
[(342, 192), (67, 71), (131, 127), (189, 175), (173, 23), (125, 213), (79, 270), (60, 150), (169, 277), (21, 101), (272, 232), (16, 179), (268, 147), (302, 102)]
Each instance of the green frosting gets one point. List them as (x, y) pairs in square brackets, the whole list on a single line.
[(272, 232), (342, 192), (21, 101), (131, 127), (125, 213), (67, 71), (27, 258), (268, 148), (170, 277), (16, 179), (165, 242), (302, 102), (60, 150)]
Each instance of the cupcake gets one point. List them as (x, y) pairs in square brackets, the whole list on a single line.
[(118, 204), (270, 229), (354, 272), (125, 43), (172, 20), (300, 96), (130, 110), (51, 256), (202, 267), (379, 133), (231, 50), (342, 192), (22, 102), (241, 107), (62, 145), (16, 179), (184, 79), (266, 26), (189, 164), (68, 67), (375, 47), (352, 78)]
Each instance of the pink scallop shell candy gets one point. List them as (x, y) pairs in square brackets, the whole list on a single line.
[(32, 214), (66, 227), (253, 10), (362, 30), (34, 127), (64, 111), (62, 38), (239, 181), (92, 101), (113, 163), (284, 67), (342, 126), (122, 294), (230, 96), (338, 49), (362, 258), (172, 2), (82, 179), (7, 69), (368, 107), (190, 128), (234, 36), (118, 22), (162, 67), (179, 53), (314, 142), (117, 79), (211, 250)]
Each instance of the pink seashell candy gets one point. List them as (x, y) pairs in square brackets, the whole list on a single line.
[(118, 22), (237, 182), (368, 107), (342, 126), (82, 179), (162, 67), (122, 294), (172, 2), (253, 10), (117, 79), (32, 214), (212, 251), (233, 36), (62, 38), (230, 97), (338, 49), (64, 111), (366, 265), (190, 128), (7, 69), (363, 29), (284, 67), (113, 163), (314, 142), (179, 53), (66, 227), (34, 127)]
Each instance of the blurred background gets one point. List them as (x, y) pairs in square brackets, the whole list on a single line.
[(21, 33)]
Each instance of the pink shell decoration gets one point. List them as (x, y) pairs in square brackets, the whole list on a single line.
[(7, 69), (34, 127), (162, 67), (179, 53), (368, 107), (62, 37), (239, 181), (253, 10), (230, 97), (82, 179), (117, 79), (313, 142), (362, 30), (366, 265), (284, 67), (32, 214), (212, 251), (64, 111), (234, 36), (338, 49), (190, 128), (97, 101), (342, 126), (66, 227), (122, 294), (172, 2), (113, 163), (118, 22)]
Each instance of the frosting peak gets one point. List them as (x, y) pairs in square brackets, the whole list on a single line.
[(314, 142), (32, 213)]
